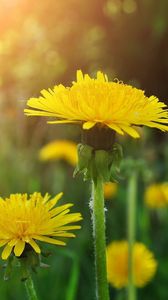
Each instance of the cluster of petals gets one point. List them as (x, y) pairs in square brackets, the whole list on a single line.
[(59, 150), (98, 101), (144, 264), (156, 195), (26, 220)]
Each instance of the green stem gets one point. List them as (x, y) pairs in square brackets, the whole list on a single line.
[(132, 194), (99, 240), (31, 293), (30, 289)]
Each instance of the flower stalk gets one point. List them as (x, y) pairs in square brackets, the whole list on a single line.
[(100, 166), (98, 219), (131, 219), (28, 282), (30, 289)]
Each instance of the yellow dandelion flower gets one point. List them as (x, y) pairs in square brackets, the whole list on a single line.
[(110, 190), (156, 195), (25, 220), (98, 101), (144, 264), (60, 149)]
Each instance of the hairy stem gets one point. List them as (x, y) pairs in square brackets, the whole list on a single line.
[(131, 198), (98, 218)]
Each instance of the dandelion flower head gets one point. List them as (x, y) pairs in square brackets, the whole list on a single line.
[(26, 220), (60, 149), (156, 195), (98, 101), (144, 264)]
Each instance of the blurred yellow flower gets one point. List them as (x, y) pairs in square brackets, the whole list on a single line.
[(27, 219), (98, 101), (110, 190), (60, 149), (144, 264), (156, 195)]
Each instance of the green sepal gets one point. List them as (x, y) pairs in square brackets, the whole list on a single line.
[(90, 172), (116, 156), (115, 176), (99, 163), (28, 260), (84, 158), (23, 268), (102, 164), (31, 260), (8, 268)]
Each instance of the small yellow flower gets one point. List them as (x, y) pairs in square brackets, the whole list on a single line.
[(144, 264), (156, 195), (25, 220), (100, 102), (60, 149), (110, 190)]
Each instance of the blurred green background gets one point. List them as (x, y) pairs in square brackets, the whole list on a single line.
[(43, 43)]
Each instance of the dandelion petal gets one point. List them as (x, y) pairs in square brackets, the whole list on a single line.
[(6, 251), (88, 125), (19, 247), (34, 246)]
